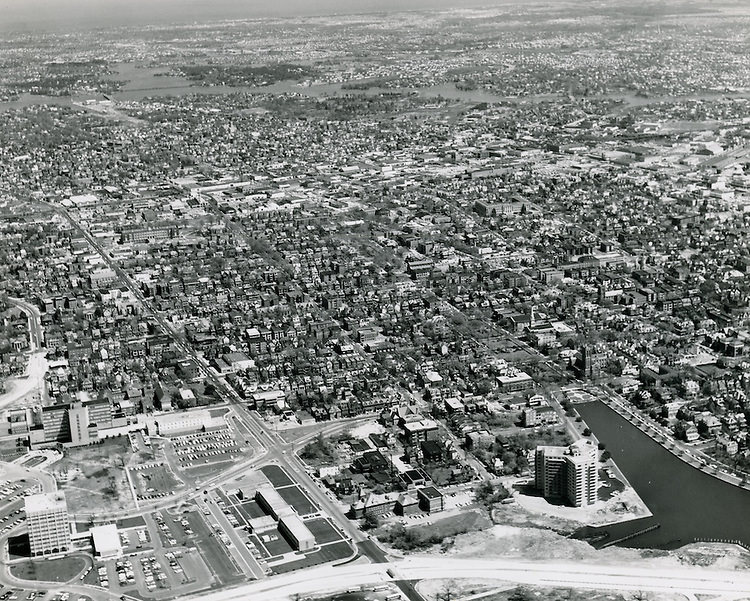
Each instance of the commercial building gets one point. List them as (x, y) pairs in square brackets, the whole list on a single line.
[(47, 519), (272, 502), (431, 499), (514, 381), (78, 416), (55, 423), (183, 422), (106, 541), (296, 533), (568, 472)]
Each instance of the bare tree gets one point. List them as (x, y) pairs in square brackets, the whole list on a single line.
[(447, 592)]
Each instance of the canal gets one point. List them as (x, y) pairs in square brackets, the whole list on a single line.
[(687, 503)]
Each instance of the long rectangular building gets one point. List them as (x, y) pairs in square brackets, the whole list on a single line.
[(295, 531), (272, 502)]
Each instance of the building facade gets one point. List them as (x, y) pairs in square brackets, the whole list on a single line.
[(569, 472), (49, 528)]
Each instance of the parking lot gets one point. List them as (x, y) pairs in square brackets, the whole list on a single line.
[(12, 495), (13, 594), (154, 573), (194, 452)]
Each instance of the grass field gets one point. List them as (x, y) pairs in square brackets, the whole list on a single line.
[(332, 552), (134, 522), (153, 481), (251, 510), (297, 499), (49, 570), (421, 537), (323, 531), (276, 475)]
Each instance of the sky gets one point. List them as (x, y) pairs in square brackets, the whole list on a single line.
[(33, 15)]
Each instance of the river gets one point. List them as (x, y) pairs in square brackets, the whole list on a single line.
[(688, 503), (142, 81)]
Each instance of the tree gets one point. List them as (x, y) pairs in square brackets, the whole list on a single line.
[(370, 521), (487, 494), (587, 432), (521, 593), (447, 592)]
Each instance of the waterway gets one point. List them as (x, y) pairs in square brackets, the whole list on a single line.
[(142, 81), (687, 503)]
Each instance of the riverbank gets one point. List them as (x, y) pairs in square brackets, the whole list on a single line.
[(687, 504), (689, 455), (141, 81)]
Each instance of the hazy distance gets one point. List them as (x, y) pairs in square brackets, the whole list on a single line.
[(34, 15)]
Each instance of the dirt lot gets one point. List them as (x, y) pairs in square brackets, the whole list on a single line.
[(538, 543), (153, 481), (434, 590), (93, 478)]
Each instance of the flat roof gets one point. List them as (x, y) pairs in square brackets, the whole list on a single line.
[(106, 539), (297, 528), (430, 492), (46, 502), (274, 500)]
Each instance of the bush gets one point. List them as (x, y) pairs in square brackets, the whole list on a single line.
[(488, 494), (319, 449)]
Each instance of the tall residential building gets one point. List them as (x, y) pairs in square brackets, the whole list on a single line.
[(47, 519), (569, 472)]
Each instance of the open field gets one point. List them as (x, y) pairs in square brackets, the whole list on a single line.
[(93, 478), (297, 499), (153, 480), (440, 531), (50, 570), (434, 590)]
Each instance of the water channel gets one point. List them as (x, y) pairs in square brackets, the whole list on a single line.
[(687, 503), (143, 82)]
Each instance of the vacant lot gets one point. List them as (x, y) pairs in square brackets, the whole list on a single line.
[(441, 531), (153, 481), (93, 478)]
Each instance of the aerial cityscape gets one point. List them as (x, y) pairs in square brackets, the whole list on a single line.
[(400, 304)]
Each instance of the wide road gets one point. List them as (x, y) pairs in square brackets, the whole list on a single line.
[(678, 580), (32, 380), (35, 321)]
